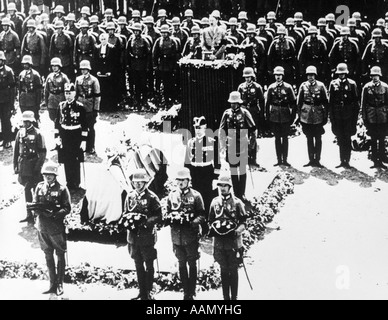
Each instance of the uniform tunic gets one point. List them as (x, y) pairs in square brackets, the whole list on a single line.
[(10, 44), (7, 101), (54, 92), (30, 91)]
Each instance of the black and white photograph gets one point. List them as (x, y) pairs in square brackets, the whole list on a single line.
[(191, 150)]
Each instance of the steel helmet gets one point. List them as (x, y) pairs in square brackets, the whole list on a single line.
[(27, 60), (248, 72), (271, 15), (28, 116), (205, 21), (85, 10), (176, 21), (225, 179), (261, 22), (352, 23), (85, 64), (44, 17), (282, 30), (376, 71), (162, 13), (136, 26), (50, 168), (11, 6), (165, 29), (139, 175), (243, 15), (216, 14), (59, 9), (251, 29), (380, 23), (94, 19), (84, 24), (2, 55), (278, 71), (56, 62), (149, 20), (183, 173), (290, 22), (6, 22), (233, 22), (110, 26), (34, 10), (345, 31), (235, 97), (330, 17), (136, 14), (298, 16), (313, 30), (321, 22), (108, 13), (342, 68), (195, 30), (70, 17), (122, 20), (356, 16), (189, 13), (31, 23), (311, 70), (377, 33), (59, 24)]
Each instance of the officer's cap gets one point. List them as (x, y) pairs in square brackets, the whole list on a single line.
[(149, 20), (59, 9), (313, 30), (248, 72), (139, 175), (243, 15), (6, 22), (85, 10), (271, 15), (233, 21), (69, 87), (28, 116), (2, 56), (70, 17), (199, 121), (352, 22), (31, 23), (376, 71), (34, 10), (85, 64), (377, 33), (165, 29), (50, 168), (56, 62), (11, 6), (94, 19), (108, 13), (110, 26), (261, 22), (195, 30), (189, 13), (251, 29), (235, 97), (183, 174), (330, 17), (136, 14), (59, 24), (122, 20), (176, 21), (311, 70), (84, 24), (278, 71), (290, 22), (345, 31), (27, 60), (162, 13), (225, 179), (282, 30), (136, 27), (298, 16), (321, 22), (342, 68)]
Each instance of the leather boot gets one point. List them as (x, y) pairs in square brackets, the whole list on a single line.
[(50, 262), (61, 269), (225, 279), (184, 277), (234, 284), (278, 147), (141, 280), (150, 274), (192, 280)]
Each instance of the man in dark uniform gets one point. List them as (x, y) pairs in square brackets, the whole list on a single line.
[(185, 234), (30, 88), (53, 204), (33, 13), (83, 45), (313, 114), (344, 107), (15, 18), (202, 158), (253, 99), (54, 89), (142, 240), (138, 53), (227, 210), (10, 44), (47, 30), (29, 157), (323, 32), (374, 104), (237, 135), (89, 94), (7, 100), (280, 109), (193, 45), (179, 32), (71, 131)]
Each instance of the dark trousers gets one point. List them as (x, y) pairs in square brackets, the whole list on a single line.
[(239, 181), (30, 184), (6, 126), (281, 146), (188, 276), (140, 83), (314, 147), (345, 148), (91, 121), (145, 277), (71, 141), (378, 148)]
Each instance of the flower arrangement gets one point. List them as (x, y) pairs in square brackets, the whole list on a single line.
[(133, 221), (157, 121), (178, 218), (231, 60)]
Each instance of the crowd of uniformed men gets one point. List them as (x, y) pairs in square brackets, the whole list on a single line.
[(79, 67)]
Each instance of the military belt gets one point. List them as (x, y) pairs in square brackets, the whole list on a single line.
[(71, 128), (201, 164)]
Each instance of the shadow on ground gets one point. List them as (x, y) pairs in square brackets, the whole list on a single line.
[(30, 234), (325, 174), (357, 176)]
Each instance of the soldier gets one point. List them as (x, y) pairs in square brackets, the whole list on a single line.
[(62, 46), (136, 18), (28, 159), (138, 53), (237, 135), (53, 204), (193, 47), (84, 45), (357, 35), (344, 107), (162, 19), (331, 25), (7, 100), (185, 235), (151, 31), (54, 89), (374, 104), (233, 32), (295, 33), (142, 240), (323, 32), (33, 14), (33, 44), (226, 211), (85, 14), (252, 96), (243, 20), (263, 33), (30, 88), (95, 28), (376, 55), (202, 160), (109, 17), (280, 111), (165, 56), (70, 27), (313, 114), (123, 29), (59, 13), (10, 44), (179, 33), (71, 131), (89, 94), (282, 53), (189, 23), (15, 18)]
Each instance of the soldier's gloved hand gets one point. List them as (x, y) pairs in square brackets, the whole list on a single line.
[(83, 146)]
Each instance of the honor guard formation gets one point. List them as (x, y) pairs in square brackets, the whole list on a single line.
[(80, 58)]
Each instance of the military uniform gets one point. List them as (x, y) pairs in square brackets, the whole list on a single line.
[(185, 237), (72, 128), (141, 242), (54, 92), (227, 248), (7, 102), (83, 48), (345, 51), (280, 111), (282, 53), (33, 44), (10, 44), (17, 21), (51, 228), (30, 91), (344, 107), (29, 156), (61, 46), (376, 55), (313, 52), (89, 94), (256, 57)]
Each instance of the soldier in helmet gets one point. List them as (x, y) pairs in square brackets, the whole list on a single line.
[(237, 135), (142, 240), (162, 19), (10, 44), (29, 157), (83, 45), (193, 48), (89, 94), (7, 100), (70, 27), (374, 104), (33, 44), (263, 33), (59, 12), (313, 114), (280, 109), (344, 108), (185, 234), (54, 88), (123, 29), (53, 204), (179, 32), (71, 131), (189, 23), (17, 20), (227, 223), (33, 14), (30, 88), (95, 28), (85, 14), (323, 32)]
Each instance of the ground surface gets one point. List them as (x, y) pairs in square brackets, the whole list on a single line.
[(329, 241)]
